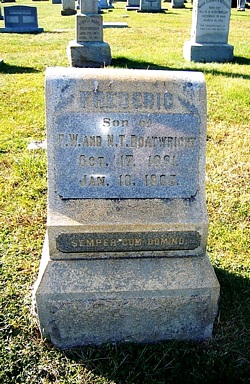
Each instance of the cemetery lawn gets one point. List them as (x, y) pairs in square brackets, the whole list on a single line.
[(152, 41)]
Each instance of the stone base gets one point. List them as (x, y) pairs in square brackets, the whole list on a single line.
[(89, 54), (91, 302), (207, 53), (21, 30), (68, 12), (131, 8)]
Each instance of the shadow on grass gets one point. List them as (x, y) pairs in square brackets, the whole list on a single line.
[(241, 60), (10, 69), (123, 62), (221, 359)]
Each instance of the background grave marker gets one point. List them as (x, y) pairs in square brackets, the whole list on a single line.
[(209, 34)]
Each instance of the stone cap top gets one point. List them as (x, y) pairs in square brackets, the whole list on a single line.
[(117, 73)]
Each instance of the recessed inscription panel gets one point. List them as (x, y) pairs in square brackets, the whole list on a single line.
[(129, 241), (89, 28), (126, 155)]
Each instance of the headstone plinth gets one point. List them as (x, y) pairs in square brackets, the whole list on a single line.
[(125, 252), (89, 49), (89, 54), (208, 53), (209, 34)]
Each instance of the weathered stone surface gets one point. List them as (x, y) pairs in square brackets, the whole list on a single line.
[(130, 300), (208, 53), (89, 54), (209, 33), (89, 28), (126, 161), (125, 253)]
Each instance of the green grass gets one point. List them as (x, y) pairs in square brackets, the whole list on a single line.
[(152, 41)]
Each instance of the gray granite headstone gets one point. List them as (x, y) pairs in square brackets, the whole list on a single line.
[(209, 34), (150, 6), (127, 225), (20, 19), (89, 49)]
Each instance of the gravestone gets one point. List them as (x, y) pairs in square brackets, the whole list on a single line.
[(150, 6), (20, 19), (209, 34), (1, 16), (89, 49), (56, 1), (124, 257), (133, 5), (177, 3), (68, 8)]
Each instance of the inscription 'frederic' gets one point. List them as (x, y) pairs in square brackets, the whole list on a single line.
[(126, 101)]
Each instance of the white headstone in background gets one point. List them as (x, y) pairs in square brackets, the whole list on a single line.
[(209, 34)]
